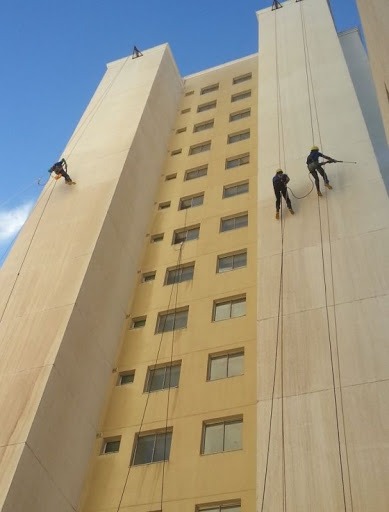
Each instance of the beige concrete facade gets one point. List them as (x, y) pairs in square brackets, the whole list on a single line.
[(82, 295), (375, 21)]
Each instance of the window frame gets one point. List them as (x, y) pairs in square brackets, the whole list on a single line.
[(242, 78), (138, 319), (170, 177), (230, 255), (202, 147), (228, 354), (196, 169), (219, 506), (206, 106), (209, 88), (233, 217), (125, 374), (185, 110), (200, 127), (191, 198), (156, 238), (239, 158), (239, 136), (238, 419), (178, 268), (181, 130), (231, 301), (151, 372), (164, 205), (169, 313), (242, 95), (107, 441), (232, 116), (152, 274), (151, 433), (176, 152), (235, 185), (186, 230)]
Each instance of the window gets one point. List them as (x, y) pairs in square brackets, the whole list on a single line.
[(240, 96), (181, 130), (231, 262), (206, 106), (200, 148), (163, 206), (203, 126), (220, 507), (152, 447), (222, 366), (235, 189), (231, 308), (138, 322), (236, 137), (189, 93), (185, 111), (172, 320), (191, 202), (235, 116), (184, 235), (126, 378), (239, 221), (171, 177), (241, 78), (156, 238), (209, 88), (223, 436), (163, 377), (236, 161), (148, 276), (110, 445), (198, 172), (176, 152), (179, 274)]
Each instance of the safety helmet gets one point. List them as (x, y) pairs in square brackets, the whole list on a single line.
[(279, 171), (314, 148)]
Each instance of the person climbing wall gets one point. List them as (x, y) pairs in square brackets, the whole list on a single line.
[(315, 167), (280, 180), (60, 169)]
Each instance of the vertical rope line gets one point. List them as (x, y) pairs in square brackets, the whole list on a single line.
[(29, 244), (282, 365), (304, 36), (325, 282)]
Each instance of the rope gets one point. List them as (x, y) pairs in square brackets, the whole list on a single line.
[(29, 246), (21, 191), (325, 289), (279, 333)]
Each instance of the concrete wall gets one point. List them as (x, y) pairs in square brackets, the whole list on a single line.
[(68, 281), (360, 72), (190, 478), (375, 21), (336, 278)]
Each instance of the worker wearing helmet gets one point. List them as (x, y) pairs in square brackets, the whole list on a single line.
[(60, 169), (315, 167), (280, 180)]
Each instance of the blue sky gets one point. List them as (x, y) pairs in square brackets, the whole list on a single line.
[(53, 55)]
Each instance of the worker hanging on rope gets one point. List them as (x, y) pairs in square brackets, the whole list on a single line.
[(280, 180), (60, 170), (315, 167)]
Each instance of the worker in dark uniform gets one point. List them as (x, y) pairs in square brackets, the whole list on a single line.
[(280, 181), (315, 167), (60, 169)]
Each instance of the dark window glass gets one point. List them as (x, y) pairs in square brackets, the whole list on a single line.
[(196, 173), (191, 202), (240, 221), (178, 275), (163, 378), (237, 161), (186, 235), (206, 106), (232, 262), (240, 96), (172, 321), (152, 448), (242, 78), (235, 116)]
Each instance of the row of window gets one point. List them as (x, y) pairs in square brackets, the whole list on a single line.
[(202, 170), (215, 87), (212, 104), (206, 146), (219, 436), (197, 199), (207, 125), (223, 309), (224, 263), (229, 223), (221, 365)]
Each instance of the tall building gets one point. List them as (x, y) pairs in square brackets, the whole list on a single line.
[(167, 344), (375, 20)]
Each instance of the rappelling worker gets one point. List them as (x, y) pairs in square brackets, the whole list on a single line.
[(280, 181), (315, 167), (60, 170)]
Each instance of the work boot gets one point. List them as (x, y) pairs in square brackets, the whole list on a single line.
[(328, 186), (319, 193), (291, 211), (277, 215)]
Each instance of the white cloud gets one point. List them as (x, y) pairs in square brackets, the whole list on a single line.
[(12, 220)]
